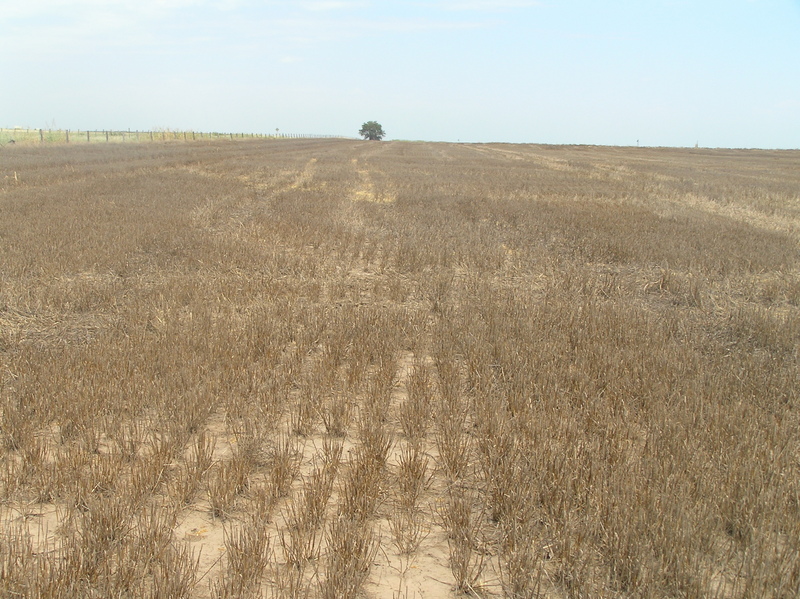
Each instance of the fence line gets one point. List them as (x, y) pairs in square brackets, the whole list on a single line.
[(12, 136)]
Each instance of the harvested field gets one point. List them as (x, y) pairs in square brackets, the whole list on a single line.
[(331, 368)]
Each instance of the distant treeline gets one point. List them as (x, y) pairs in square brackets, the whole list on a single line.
[(19, 135)]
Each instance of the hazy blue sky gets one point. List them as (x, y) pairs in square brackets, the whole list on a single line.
[(664, 72)]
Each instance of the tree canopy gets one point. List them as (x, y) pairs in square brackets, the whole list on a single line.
[(372, 130)]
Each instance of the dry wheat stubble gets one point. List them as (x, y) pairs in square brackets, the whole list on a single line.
[(545, 371)]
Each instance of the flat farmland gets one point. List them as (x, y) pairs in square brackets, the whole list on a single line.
[(334, 368)]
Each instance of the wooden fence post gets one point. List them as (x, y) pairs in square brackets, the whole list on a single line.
[(67, 135), (106, 136)]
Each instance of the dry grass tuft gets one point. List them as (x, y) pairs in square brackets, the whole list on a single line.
[(352, 546), (247, 549)]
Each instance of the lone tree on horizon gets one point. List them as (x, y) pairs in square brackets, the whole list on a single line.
[(372, 130)]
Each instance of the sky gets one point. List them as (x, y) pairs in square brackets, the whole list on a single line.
[(652, 72)]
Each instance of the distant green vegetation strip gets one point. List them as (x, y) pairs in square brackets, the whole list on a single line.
[(29, 136)]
